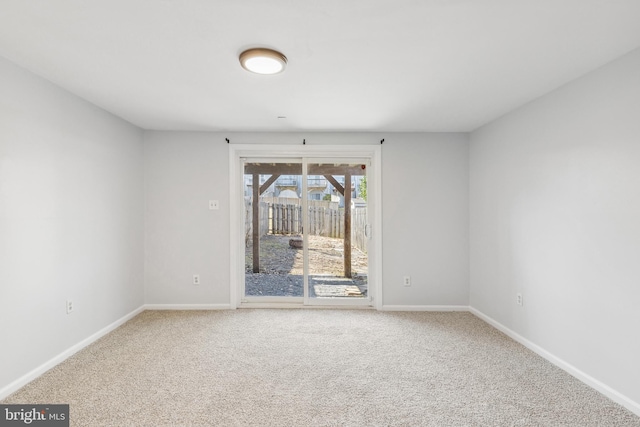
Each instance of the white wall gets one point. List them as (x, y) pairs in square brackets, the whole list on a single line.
[(425, 214), (555, 215), (429, 172), (183, 171), (71, 216)]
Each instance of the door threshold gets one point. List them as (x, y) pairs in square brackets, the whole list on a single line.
[(271, 304), (300, 305)]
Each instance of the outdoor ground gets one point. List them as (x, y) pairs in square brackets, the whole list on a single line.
[(281, 270)]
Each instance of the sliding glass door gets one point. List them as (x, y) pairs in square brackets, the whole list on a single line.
[(306, 231), (273, 218), (336, 224)]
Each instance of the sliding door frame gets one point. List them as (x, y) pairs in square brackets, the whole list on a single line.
[(237, 152)]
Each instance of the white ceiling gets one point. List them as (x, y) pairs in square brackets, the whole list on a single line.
[(354, 65)]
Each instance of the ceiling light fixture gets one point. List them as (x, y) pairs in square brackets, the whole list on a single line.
[(263, 61)]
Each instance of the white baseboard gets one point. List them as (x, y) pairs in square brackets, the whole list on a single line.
[(35, 373), (569, 368), (188, 307), (425, 308)]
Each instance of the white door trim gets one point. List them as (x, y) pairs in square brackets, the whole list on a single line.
[(236, 191)]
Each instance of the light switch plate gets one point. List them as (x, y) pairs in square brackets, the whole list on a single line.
[(214, 205)]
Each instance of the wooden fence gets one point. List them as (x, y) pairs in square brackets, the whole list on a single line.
[(284, 216), (358, 227)]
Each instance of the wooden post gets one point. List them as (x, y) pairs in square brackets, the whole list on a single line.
[(347, 225), (256, 223)]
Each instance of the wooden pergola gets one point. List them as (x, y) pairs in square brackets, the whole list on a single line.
[(329, 171)]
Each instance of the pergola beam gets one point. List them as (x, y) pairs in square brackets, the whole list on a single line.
[(340, 170), (273, 168), (296, 169), (268, 183), (335, 183)]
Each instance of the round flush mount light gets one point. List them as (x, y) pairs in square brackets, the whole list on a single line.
[(263, 61)]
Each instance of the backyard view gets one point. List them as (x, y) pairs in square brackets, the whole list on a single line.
[(337, 217)]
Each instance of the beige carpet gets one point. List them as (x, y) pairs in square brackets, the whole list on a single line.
[(316, 367)]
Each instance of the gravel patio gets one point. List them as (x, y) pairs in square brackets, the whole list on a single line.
[(281, 269)]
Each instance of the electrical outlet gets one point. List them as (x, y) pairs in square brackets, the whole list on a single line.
[(407, 280), (214, 205), (196, 279), (519, 298), (69, 306)]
